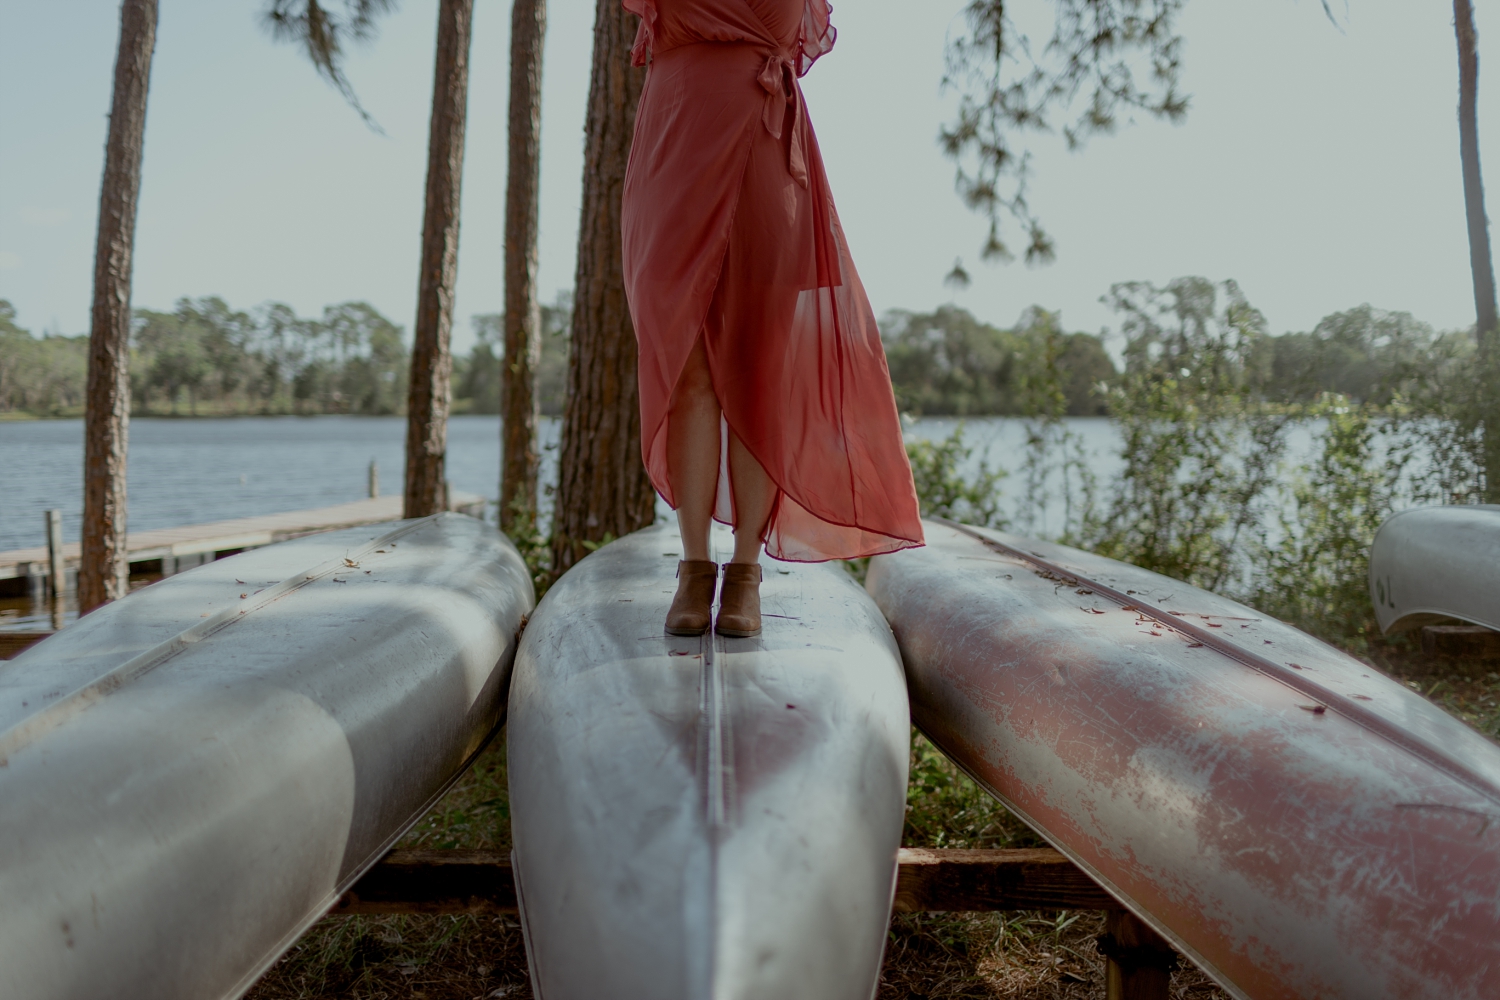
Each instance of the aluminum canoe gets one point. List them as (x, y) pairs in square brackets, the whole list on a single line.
[(1432, 563), (705, 819), (189, 777), (1296, 823)]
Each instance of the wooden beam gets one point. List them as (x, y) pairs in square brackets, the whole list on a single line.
[(1474, 641), (1024, 879), (434, 882), (481, 882)]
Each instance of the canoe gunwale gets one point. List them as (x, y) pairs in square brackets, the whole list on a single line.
[(80, 699), (1330, 700)]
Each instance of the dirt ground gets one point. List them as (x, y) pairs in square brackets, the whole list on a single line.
[(1013, 955)]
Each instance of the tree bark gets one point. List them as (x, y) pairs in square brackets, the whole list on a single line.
[(104, 569), (1480, 263), (603, 489), (519, 460), (1468, 143), (431, 362)]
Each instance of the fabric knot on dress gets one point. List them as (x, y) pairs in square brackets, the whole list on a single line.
[(778, 77), (645, 36)]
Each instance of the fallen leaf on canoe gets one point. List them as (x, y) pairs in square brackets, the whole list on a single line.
[(1085, 592), (351, 564), (1362, 697), (1130, 607), (1314, 709), (1214, 625), (1195, 645), (1092, 611), (243, 596), (1296, 666), (240, 582)]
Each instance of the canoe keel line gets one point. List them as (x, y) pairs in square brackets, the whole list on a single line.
[(1296, 823), (705, 818), (189, 787)]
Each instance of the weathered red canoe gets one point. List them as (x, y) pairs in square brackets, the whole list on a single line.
[(1295, 822)]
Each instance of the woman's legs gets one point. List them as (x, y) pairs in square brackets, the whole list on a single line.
[(754, 493), (693, 452), (693, 463)]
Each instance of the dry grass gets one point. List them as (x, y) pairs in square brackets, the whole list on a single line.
[(929, 956)]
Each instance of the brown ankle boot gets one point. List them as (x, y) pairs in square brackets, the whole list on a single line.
[(739, 601), (692, 608)]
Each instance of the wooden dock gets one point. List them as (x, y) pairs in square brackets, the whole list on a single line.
[(177, 549)]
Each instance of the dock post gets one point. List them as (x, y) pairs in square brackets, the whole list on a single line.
[(374, 480), (1139, 963), (57, 578)]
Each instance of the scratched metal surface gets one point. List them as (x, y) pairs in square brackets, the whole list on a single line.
[(1295, 822), (189, 777), (705, 818), (1431, 563)]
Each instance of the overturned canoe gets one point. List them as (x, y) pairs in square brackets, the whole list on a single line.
[(1432, 563), (192, 775), (705, 818), (1295, 822)]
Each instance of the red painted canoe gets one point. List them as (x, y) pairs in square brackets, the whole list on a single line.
[(1295, 822)]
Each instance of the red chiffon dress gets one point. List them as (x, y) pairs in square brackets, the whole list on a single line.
[(730, 234)]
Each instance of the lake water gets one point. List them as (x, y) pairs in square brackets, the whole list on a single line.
[(187, 471)]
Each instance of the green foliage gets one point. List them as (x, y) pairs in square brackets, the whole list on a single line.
[(476, 379), (535, 547), (1200, 456), (1316, 575), (209, 358), (945, 808), (942, 489), (41, 376), (1105, 58), (947, 363)]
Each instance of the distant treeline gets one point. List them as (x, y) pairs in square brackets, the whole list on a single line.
[(208, 359), (947, 363), (204, 358)]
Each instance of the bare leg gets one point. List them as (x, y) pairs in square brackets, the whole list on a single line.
[(693, 453), (754, 493)]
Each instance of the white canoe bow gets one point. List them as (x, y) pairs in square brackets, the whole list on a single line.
[(705, 819), (192, 775), (1428, 564)]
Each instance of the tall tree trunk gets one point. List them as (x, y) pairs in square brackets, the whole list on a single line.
[(602, 487), (1480, 264), (104, 571), (523, 315), (431, 363)]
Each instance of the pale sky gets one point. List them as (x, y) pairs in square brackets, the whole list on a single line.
[(1317, 166)]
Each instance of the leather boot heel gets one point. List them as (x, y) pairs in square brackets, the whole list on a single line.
[(692, 607), (739, 601)]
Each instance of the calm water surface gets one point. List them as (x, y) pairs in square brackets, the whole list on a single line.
[(187, 471), (195, 471)]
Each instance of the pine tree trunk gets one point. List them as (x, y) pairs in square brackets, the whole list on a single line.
[(431, 363), (1480, 263), (104, 571), (602, 485), (523, 315)]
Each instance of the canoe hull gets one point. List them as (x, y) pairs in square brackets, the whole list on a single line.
[(1429, 564), (712, 817), (1297, 824), (172, 829)]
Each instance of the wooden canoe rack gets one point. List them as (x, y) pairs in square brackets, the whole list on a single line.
[(1139, 962)]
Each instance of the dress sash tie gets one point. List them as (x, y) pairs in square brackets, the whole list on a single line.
[(778, 77)]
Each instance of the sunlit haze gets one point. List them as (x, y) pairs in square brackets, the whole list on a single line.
[(1318, 165)]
